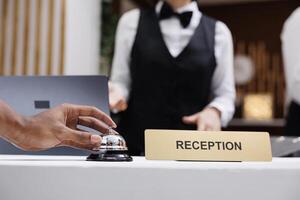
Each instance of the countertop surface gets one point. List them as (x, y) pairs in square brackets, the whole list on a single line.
[(141, 162)]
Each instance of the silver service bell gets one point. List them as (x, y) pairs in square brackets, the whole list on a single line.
[(113, 143), (113, 148)]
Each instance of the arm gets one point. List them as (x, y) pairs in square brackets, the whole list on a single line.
[(10, 122), (223, 88), (120, 75), (52, 128), (295, 83), (221, 109), (290, 50)]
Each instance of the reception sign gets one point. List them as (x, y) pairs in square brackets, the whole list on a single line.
[(207, 146)]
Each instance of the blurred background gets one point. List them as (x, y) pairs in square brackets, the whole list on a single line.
[(70, 37)]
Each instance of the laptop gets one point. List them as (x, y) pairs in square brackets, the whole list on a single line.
[(31, 95), (284, 146)]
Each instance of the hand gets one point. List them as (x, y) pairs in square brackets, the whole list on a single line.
[(117, 101), (207, 120), (58, 127)]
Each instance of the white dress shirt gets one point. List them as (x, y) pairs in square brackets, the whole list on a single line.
[(291, 55), (177, 38)]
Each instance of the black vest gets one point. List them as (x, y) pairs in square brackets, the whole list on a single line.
[(164, 88)]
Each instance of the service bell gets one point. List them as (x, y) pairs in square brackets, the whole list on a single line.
[(113, 148)]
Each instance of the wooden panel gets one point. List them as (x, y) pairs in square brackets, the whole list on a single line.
[(30, 45), (50, 37), (62, 37), (3, 20), (26, 37), (38, 37), (13, 68)]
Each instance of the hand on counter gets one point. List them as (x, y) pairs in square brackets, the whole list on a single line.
[(54, 127), (117, 101), (207, 120)]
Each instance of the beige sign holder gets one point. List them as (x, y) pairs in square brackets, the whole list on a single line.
[(207, 146)]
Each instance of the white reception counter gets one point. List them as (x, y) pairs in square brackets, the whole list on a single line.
[(73, 178)]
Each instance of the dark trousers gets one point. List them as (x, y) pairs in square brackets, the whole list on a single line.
[(293, 120)]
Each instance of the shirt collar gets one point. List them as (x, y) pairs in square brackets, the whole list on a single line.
[(193, 6)]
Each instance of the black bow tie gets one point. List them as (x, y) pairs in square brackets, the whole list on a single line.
[(167, 12)]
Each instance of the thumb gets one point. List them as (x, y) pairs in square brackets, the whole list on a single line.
[(192, 119)]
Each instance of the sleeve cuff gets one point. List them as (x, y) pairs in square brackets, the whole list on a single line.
[(226, 113), (122, 89)]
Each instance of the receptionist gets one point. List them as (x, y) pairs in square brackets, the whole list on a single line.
[(172, 69)]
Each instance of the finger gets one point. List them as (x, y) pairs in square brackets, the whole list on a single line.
[(112, 105), (96, 113), (209, 128), (122, 105), (96, 139), (212, 126), (191, 119), (80, 146), (94, 124), (215, 128), (201, 125), (115, 105), (81, 137), (112, 132), (119, 105)]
